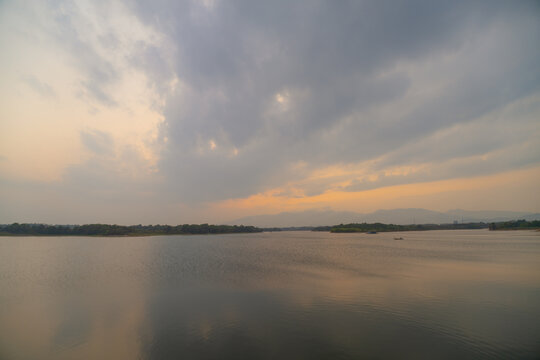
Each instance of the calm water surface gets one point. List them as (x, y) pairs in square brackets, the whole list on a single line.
[(291, 295)]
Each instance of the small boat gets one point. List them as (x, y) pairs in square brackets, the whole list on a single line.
[(371, 232), (398, 238)]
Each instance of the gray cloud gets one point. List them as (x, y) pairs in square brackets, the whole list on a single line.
[(69, 27), (513, 126), (269, 91), (38, 86), (97, 141), (337, 64), (515, 157)]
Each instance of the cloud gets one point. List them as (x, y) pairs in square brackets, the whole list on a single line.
[(97, 141), (197, 103), (111, 184), (40, 87), (319, 83), (97, 39)]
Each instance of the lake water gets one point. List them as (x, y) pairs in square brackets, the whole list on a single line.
[(290, 295)]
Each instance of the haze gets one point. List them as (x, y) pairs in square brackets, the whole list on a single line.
[(207, 111)]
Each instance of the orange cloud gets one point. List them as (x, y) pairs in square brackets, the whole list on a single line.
[(510, 191)]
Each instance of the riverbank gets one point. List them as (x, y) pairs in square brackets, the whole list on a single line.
[(17, 229)]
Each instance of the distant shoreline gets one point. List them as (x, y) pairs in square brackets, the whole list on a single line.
[(107, 230), (380, 227)]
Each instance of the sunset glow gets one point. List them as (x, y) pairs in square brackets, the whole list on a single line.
[(206, 112)]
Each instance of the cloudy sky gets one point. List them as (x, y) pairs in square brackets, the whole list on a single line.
[(205, 111)]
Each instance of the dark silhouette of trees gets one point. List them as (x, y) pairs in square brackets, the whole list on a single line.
[(515, 225), (120, 230)]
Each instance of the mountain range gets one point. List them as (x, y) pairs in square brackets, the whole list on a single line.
[(392, 216)]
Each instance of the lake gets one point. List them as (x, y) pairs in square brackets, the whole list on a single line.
[(466, 294)]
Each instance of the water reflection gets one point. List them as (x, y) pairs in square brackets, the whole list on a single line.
[(467, 294)]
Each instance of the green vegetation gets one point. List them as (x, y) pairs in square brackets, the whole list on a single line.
[(515, 225), (379, 227), (187, 229), (119, 230)]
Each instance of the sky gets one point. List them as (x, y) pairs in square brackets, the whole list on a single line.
[(177, 112)]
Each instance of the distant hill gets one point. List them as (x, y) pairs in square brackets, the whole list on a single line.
[(491, 216), (394, 216), (302, 218), (531, 217), (407, 216)]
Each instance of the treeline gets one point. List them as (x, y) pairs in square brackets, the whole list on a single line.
[(120, 230), (380, 227), (515, 225)]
